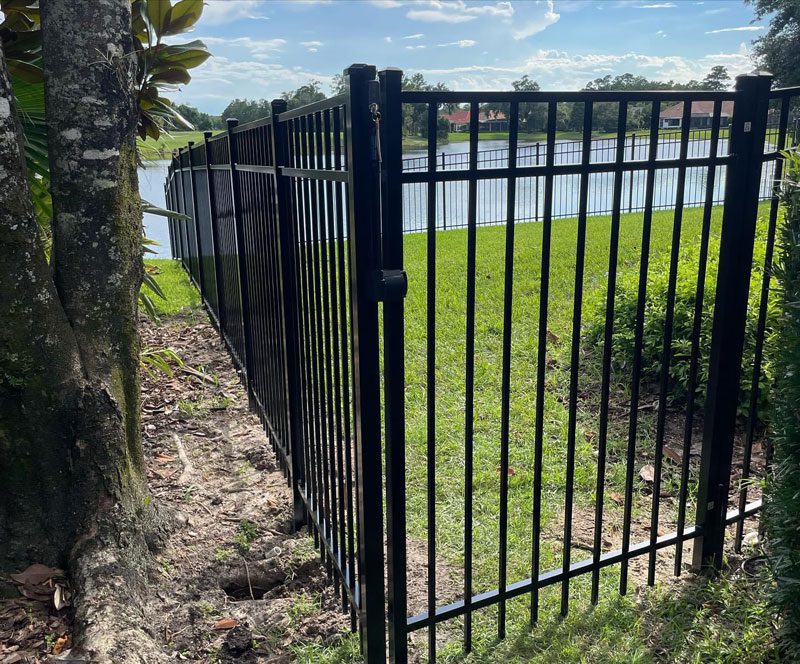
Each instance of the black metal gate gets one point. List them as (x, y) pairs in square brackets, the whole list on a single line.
[(294, 232)]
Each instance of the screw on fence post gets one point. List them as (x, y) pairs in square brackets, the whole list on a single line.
[(444, 197), (633, 156), (289, 299), (196, 220), (742, 184), (241, 258), (394, 360), (212, 212), (364, 248)]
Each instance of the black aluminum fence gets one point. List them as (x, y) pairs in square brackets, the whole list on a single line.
[(295, 229)]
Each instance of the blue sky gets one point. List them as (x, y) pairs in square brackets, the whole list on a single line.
[(263, 47)]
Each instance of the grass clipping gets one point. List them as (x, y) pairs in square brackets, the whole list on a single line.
[(783, 508)]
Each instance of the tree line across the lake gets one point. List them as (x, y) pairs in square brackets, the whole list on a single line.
[(533, 116)]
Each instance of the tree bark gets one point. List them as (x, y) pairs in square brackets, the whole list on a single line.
[(71, 463)]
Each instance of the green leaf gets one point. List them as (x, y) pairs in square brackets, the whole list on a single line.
[(149, 281), (183, 16), (157, 13), (173, 75), (141, 26), (187, 55), (149, 208), (25, 71)]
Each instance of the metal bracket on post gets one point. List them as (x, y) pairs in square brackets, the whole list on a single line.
[(389, 285), (742, 185)]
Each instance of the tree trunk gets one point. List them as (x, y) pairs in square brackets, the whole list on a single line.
[(71, 463)]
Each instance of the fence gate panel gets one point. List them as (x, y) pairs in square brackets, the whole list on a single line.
[(556, 373)]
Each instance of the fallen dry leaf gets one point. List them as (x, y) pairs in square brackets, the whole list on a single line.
[(165, 458), (36, 574), (61, 643), (673, 455), (226, 623), (648, 473), (615, 497)]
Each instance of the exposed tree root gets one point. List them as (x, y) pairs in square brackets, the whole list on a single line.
[(109, 572)]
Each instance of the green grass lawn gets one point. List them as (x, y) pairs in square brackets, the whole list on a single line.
[(451, 270), (180, 295), (163, 147)]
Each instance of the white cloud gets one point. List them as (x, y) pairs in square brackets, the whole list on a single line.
[(538, 24), (448, 11), (388, 40), (556, 69), (218, 12), (312, 46), (661, 33), (717, 10), (220, 80), (260, 49), (415, 48), (418, 35), (461, 43), (743, 28), (658, 5)]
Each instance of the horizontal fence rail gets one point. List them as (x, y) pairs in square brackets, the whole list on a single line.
[(510, 464)]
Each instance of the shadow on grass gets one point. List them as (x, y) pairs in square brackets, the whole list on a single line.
[(689, 620)]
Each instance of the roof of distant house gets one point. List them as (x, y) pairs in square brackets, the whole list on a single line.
[(700, 109), (462, 117)]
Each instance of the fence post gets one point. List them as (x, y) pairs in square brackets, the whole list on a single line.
[(196, 221), (288, 286), (167, 205), (186, 254), (742, 184), (241, 259), (391, 141), (212, 212), (364, 248)]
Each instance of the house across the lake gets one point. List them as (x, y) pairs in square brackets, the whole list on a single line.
[(702, 115), (491, 121)]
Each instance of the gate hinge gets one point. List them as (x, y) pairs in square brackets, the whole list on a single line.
[(390, 285)]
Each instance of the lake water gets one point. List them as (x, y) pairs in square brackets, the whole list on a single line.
[(151, 189), (452, 197)]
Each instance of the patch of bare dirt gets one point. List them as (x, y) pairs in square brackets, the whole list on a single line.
[(235, 583)]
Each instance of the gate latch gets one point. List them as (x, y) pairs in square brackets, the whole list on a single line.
[(390, 285)]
